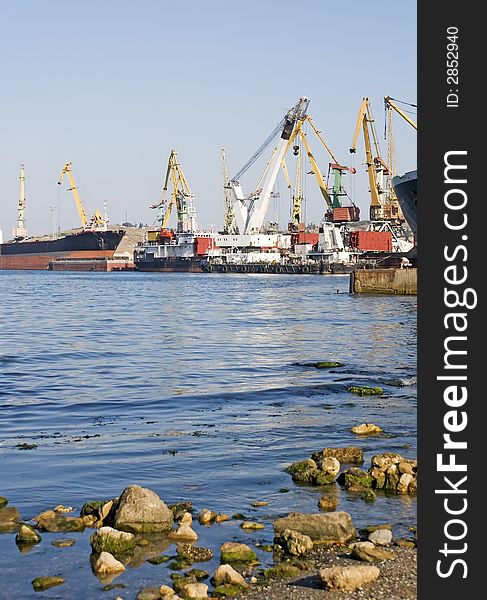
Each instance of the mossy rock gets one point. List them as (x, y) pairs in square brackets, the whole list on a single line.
[(237, 553), (365, 390), (179, 582), (198, 574), (180, 564), (355, 477), (227, 590), (368, 496), (27, 535), (306, 471), (92, 507), (157, 560), (3, 501), (323, 364), (44, 583), (115, 543), (282, 571)]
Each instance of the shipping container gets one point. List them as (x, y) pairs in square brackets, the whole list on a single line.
[(346, 213), (371, 240), (304, 238), (202, 245)]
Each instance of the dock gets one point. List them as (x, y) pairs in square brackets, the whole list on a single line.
[(384, 281)]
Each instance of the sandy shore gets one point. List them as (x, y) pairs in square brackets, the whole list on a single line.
[(397, 580)]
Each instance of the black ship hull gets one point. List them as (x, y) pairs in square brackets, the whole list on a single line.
[(37, 254), (406, 188), (169, 265)]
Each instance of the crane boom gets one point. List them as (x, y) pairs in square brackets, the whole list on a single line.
[(67, 170), (388, 102), (316, 171)]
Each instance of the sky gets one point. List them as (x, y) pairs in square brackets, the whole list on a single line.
[(114, 85)]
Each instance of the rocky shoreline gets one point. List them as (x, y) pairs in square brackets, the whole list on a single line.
[(311, 552)]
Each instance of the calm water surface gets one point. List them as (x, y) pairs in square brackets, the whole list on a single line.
[(192, 385)]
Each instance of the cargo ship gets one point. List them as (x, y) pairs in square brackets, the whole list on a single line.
[(38, 253), (406, 188)]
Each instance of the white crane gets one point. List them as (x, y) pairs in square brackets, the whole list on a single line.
[(251, 211)]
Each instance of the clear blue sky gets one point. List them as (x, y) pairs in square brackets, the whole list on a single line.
[(114, 85)]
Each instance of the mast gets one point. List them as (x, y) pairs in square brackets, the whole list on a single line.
[(20, 231)]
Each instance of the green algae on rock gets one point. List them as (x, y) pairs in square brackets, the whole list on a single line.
[(355, 477), (324, 364), (44, 583), (233, 552), (365, 390)]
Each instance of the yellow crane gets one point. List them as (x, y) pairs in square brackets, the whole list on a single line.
[(181, 198), (388, 101), (97, 220), (380, 210)]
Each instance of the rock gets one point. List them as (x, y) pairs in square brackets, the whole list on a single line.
[(107, 539), (361, 545), (221, 518), (328, 503), (403, 484), (371, 554), (63, 542), (195, 591), (368, 496), (413, 487), (180, 508), (378, 476), (54, 522), (107, 563), (158, 560), (141, 510), (27, 535), (348, 579), (198, 574), (3, 501), (60, 508), (385, 460), (206, 517), (294, 543), (166, 591), (381, 537), (259, 503), (405, 467), (307, 471), (226, 590), (194, 554), (328, 464), (365, 390), (184, 533), (233, 552), (44, 583), (149, 593), (366, 429), (372, 528), (348, 455), (9, 515), (186, 519), (227, 574), (326, 364), (355, 476), (251, 525), (282, 570), (392, 478), (334, 527), (405, 543)]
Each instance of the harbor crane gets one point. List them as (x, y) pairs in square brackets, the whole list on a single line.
[(380, 208), (97, 222), (229, 225), (19, 232), (181, 198), (250, 210)]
